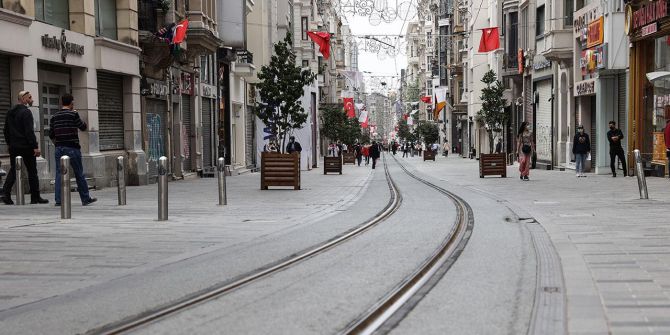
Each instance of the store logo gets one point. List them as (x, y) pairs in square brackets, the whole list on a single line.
[(61, 44), (586, 87), (649, 13)]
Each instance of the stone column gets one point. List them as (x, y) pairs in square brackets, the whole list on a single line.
[(82, 16), (132, 125), (126, 21), (85, 93)]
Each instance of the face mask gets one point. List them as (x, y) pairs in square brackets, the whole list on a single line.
[(612, 127), (581, 131)]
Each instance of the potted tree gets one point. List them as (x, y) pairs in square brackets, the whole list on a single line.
[(336, 126), (429, 133), (494, 117), (280, 89)]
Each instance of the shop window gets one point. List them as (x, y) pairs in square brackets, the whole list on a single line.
[(539, 22), (105, 18), (55, 12)]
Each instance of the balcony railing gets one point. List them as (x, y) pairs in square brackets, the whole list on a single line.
[(244, 56)]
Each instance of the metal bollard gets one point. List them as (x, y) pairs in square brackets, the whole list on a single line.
[(221, 170), (20, 200), (641, 180), (162, 189), (121, 180), (65, 195)]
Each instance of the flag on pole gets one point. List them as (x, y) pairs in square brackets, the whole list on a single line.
[(363, 118), (349, 107), (322, 38), (490, 40), (440, 101), (180, 32), (425, 99)]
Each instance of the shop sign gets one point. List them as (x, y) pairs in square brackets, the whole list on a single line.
[(158, 88), (643, 17), (585, 87), (520, 60), (61, 44), (663, 100), (208, 91), (593, 59), (649, 29), (543, 64), (186, 83), (595, 33), (585, 16)]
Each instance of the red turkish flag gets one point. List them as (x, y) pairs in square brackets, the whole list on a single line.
[(180, 32), (490, 40), (426, 99), (349, 107), (322, 38)]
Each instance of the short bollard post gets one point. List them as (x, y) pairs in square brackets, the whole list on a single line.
[(639, 171), (221, 170), (66, 199), (20, 200), (162, 189), (121, 180)]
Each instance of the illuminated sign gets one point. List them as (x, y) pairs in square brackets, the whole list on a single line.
[(595, 34)]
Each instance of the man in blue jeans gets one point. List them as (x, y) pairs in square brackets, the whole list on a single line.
[(65, 126)]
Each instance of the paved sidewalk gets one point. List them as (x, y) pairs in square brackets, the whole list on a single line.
[(42, 256), (614, 247)]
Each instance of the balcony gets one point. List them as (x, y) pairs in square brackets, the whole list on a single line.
[(243, 66), (556, 45), (510, 65), (413, 60)]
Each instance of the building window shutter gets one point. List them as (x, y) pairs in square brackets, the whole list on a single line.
[(110, 111)]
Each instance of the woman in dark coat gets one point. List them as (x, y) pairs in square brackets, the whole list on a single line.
[(581, 146), (375, 152)]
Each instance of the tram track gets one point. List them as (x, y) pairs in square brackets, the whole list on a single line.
[(383, 315), (136, 322)]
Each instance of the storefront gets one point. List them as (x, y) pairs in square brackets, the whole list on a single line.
[(648, 26), (208, 102), (542, 126), (156, 116)]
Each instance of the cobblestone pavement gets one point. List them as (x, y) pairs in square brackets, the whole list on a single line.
[(42, 256), (614, 248)]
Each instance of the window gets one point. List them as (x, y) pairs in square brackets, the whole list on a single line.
[(303, 27), (512, 40), (539, 21), (55, 12), (204, 69), (305, 63), (568, 9), (105, 18), (429, 39)]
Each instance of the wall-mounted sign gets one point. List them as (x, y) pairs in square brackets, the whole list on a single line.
[(645, 16), (186, 83), (158, 88), (649, 29), (662, 100), (585, 16), (593, 59), (540, 65), (585, 87), (61, 44), (208, 91), (595, 33)]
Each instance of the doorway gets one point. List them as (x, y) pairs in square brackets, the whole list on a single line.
[(49, 104)]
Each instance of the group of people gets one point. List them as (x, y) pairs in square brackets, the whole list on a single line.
[(581, 148), (371, 152), (20, 137)]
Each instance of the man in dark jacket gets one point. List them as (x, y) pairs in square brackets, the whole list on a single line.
[(375, 152), (581, 146), (293, 146), (20, 138), (614, 136)]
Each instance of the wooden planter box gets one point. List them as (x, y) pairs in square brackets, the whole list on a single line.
[(493, 165), (428, 154), (332, 164), (349, 157), (280, 170)]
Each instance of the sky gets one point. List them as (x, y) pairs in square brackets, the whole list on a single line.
[(384, 65)]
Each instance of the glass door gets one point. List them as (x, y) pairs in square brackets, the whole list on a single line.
[(49, 105)]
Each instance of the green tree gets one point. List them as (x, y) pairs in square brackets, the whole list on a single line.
[(428, 132), (493, 113), (336, 126), (412, 91), (280, 88), (404, 132)]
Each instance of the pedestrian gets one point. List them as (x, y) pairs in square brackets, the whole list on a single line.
[(614, 136), (499, 146), (359, 153), (525, 149), (405, 150), (666, 134), (20, 137), (365, 150), (293, 146), (394, 148), (340, 147), (375, 152), (64, 133), (445, 148), (581, 147)]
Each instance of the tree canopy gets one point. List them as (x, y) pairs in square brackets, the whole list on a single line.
[(493, 113), (281, 88), (336, 126), (428, 132)]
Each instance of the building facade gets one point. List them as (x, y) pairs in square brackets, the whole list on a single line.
[(87, 48)]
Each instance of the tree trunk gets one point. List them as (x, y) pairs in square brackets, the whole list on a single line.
[(490, 133)]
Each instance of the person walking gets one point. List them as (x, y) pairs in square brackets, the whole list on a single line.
[(524, 149), (394, 148), (375, 152), (359, 153), (499, 146), (293, 146), (20, 138), (581, 147), (64, 133), (405, 150), (366, 153), (445, 148), (614, 136)]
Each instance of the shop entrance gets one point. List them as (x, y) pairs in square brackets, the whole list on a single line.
[(49, 104)]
